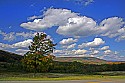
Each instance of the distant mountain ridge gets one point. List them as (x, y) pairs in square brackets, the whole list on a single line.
[(86, 60)]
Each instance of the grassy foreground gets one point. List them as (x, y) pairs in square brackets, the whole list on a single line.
[(54, 76)]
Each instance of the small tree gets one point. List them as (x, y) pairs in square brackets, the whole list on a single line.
[(39, 58)]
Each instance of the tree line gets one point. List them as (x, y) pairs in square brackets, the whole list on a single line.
[(77, 67)]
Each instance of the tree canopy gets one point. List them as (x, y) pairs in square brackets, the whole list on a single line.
[(39, 57)]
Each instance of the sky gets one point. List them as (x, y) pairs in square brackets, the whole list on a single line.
[(81, 28)]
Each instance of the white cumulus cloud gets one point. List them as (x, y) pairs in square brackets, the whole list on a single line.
[(71, 46), (112, 27), (23, 44), (105, 48), (51, 17), (80, 52), (78, 26), (19, 47), (58, 51), (107, 52), (75, 25), (97, 42), (95, 52), (68, 41), (72, 53)]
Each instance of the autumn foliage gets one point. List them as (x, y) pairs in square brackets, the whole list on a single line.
[(39, 58)]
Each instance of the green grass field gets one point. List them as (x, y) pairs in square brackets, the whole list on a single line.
[(12, 76)]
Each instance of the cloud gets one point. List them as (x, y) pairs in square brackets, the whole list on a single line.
[(9, 37), (26, 34), (82, 2), (107, 52), (68, 41), (97, 42), (14, 35), (72, 53), (78, 26), (51, 17), (1, 32), (71, 46), (75, 25), (58, 51), (116, 52), (19, 47), (21, 51), (88, 2), (104, 48), (63, 52), (68, 22), (122, 37), (23, 44), (112, 56), (80, 52), (91, 49), (112, 27), (4, 46), (94, 52), (84, 26), (33, 17), (121, 33)]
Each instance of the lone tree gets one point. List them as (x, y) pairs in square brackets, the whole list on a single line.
[(39, 58)]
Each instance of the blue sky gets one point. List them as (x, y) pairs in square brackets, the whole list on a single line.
[(90, 28)]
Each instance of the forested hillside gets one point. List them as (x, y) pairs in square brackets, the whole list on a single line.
[(9, 57)]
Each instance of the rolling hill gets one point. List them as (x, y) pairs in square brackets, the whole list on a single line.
[(9, 57), (86, 60)]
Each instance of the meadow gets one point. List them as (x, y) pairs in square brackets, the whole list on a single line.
[(17, 76)]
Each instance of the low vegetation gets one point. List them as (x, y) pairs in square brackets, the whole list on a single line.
[(55, 76)]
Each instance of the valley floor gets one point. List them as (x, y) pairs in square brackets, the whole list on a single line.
[(105, 77), (68, 81)]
